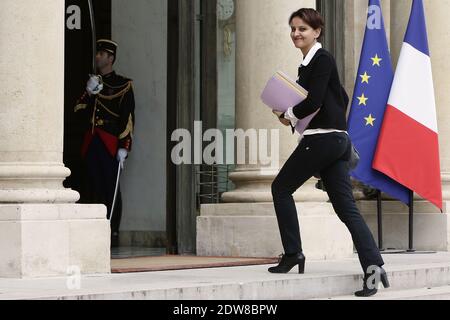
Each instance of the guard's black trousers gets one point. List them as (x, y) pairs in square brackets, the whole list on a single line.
[(102, 174), (327, 154)]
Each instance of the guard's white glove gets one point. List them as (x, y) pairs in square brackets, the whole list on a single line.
[(122, 156), (94, 85)]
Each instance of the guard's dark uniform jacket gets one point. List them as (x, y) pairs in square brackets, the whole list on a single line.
[(108, 120), (110, 114)]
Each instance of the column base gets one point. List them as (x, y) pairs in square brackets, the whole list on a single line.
[(23, 182), (431, 227), (255, 186), (251, 230), (39, 240), (39, 196), (446, 186)]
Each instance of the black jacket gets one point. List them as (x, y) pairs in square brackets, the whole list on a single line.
[(112, 110), (320, 77)]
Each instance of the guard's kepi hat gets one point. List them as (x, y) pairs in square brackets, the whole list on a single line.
[(107, 45)]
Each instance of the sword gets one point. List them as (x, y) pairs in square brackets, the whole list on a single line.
[(94, 36), (115, 191)]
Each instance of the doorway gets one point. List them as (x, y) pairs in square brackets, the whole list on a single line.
[(140, 27), (169, 49)]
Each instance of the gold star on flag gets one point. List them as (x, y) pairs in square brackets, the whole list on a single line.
[(376, 60), (363, 100), (370, 120), (365, 78)]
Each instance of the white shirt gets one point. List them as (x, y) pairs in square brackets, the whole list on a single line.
[(312, 52), (290, 113)]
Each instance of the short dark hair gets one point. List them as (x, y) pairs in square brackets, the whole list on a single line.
[(312, 17)]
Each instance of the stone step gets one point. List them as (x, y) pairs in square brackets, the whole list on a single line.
[(389, 207), (323, 236), (323, 279), (263, 209), (317, 208), (251, 230), (431, 230), (436, 293)]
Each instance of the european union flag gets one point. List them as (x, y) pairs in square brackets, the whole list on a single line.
[(373, 85)]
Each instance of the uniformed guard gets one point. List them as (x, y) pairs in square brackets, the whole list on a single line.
[(107, 108)]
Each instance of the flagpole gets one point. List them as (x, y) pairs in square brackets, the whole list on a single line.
[(380, 228), (380, 220), (411, 249), (411, 222)]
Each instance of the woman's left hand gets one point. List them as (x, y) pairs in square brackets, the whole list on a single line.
[(285, 122), (277, 113)]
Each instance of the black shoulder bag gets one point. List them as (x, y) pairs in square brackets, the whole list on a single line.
[(354, 156)]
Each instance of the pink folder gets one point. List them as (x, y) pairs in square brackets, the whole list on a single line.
[(282, 93)]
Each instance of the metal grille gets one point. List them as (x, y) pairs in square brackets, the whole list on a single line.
[(212, 182)]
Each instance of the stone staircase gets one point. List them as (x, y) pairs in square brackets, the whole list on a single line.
[(437, 293), (251, 230), (410, 277)]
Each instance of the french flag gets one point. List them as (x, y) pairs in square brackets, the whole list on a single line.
[(408, 147)]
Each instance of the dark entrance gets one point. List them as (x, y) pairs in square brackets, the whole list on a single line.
[(78, 62), (191, 94), (78, 57)]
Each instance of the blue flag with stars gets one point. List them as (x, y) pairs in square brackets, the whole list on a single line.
[(372, 89)]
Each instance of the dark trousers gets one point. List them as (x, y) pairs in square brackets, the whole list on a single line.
[(102, 175), (327, 154)]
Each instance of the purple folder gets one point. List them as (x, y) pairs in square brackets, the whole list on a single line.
[(282, 93)]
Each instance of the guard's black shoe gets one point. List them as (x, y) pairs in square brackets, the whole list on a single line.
[(370, 286), (286, 264)]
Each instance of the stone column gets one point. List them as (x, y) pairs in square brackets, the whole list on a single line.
[(439, 41), (246, 224), (263, 47), (355, 13), (355, 26), (400, 9), (32, 97), (42, 231)]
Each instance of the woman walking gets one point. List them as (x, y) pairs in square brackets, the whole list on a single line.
[(325, 149)]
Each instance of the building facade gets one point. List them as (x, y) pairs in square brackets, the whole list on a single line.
[(190, 60)]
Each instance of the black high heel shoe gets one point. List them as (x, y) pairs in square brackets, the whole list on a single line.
[(285, 264), (371, 289)]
